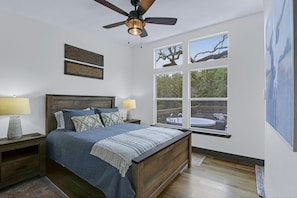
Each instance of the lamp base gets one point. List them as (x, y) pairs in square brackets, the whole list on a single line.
[(128, 115), (14, 128)]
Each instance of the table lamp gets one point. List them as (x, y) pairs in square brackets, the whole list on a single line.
[(14, 107), (129, 104)]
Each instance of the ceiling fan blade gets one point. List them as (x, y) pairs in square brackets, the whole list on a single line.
[(161, 20), (114, 24), (113, 7), (144, 33), (145, 5)]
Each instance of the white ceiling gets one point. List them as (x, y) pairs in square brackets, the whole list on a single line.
[(89, 16)]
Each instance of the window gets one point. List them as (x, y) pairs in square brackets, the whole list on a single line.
[(169, 96), (169, 56), (194, 95), (209, 98), (206, 49)]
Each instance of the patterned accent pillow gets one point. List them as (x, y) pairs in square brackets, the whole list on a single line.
[(87, 122), (111, 118), (69, 113)]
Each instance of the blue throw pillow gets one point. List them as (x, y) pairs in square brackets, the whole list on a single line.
[(69, 113), (105, 110)]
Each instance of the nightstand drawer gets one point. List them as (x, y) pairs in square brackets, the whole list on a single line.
[(21, 159), (22, 168)]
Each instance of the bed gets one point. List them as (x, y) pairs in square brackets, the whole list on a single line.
[(149, 173)]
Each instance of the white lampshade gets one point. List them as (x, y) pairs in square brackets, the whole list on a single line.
[(14, 107), (129, 104)]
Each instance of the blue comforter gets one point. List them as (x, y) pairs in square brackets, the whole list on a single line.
[(72, 150)]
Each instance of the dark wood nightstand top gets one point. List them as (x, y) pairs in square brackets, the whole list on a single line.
[(136, 121), (32, 136)]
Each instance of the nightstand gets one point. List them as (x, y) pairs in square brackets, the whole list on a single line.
[(22, 158), (135, 121)]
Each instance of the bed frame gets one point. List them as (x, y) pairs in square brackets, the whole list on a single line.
[(153, 170)]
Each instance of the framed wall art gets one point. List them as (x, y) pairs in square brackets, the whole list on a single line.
[(281, 75), (78, 69), (80, 62)]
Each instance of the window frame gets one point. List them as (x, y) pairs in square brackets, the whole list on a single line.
[(186, 99)]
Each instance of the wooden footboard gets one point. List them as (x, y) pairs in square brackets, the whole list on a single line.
[(153, 171)]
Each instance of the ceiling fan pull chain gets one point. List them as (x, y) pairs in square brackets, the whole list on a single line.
[(128, 39)]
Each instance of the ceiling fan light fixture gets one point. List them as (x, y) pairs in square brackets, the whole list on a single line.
[(135, 26), (135, 21)]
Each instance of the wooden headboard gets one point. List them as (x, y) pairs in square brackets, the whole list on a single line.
[(55, 103)]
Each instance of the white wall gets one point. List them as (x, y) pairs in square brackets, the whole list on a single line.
[(32, 65), (280, 167), (245, 85), (280, 160)]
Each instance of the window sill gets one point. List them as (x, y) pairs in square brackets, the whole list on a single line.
[(216, 134), (200, 131)]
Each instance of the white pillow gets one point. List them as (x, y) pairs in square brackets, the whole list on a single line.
[(60, 120)]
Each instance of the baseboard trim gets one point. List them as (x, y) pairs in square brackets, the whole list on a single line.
[(230, 157)]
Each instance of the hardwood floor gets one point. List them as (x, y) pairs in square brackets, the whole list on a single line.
[(215, 178)]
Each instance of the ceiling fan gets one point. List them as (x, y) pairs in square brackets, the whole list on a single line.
[(135, 21)]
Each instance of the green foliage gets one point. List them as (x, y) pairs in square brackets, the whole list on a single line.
[(211, 83), (169, 85)]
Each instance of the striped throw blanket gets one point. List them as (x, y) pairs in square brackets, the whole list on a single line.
[(119, 150)]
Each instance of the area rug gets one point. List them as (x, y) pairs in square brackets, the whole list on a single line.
[(197, 159), (260, 180), (33, 188)]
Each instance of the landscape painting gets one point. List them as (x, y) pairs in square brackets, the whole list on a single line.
[(280, 70)]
